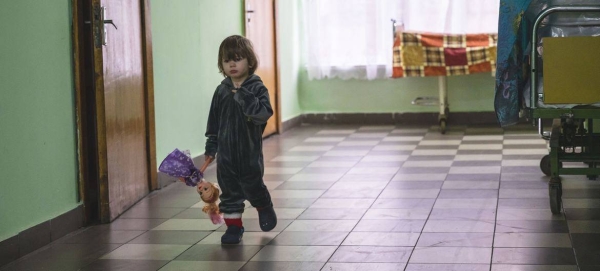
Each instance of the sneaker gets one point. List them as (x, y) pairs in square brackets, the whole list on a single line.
[(267, 218), (233, 235)]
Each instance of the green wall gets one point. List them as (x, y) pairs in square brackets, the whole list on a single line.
[(38, 164), (470, 93), (288, 34), (186, 35)]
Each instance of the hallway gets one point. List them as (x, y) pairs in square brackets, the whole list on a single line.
[(364, 198)]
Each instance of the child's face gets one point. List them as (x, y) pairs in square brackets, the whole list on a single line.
[(237, 69)]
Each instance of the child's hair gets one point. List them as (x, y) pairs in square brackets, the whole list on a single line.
[(234, 47), (211, 205)]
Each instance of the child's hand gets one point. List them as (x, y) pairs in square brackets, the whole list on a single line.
[(181, 179)]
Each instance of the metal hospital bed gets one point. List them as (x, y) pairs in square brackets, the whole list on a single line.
[(565, 47)]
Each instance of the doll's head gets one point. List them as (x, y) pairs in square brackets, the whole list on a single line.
[(209, 193)]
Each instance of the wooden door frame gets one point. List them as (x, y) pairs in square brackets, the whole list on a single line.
[(92, 152), (277, 64)]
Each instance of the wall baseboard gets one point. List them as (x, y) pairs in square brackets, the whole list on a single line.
[(40, 235), (424, 118)]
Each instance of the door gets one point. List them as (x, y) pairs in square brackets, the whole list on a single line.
[(260, 29), (121, 109)]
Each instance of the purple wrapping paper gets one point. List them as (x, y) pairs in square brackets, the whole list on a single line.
[(178, 164)]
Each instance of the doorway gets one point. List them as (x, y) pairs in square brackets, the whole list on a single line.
[(115, 106)]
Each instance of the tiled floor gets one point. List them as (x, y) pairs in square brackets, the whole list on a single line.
[(365, 198)]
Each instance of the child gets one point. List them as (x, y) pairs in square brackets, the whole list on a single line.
[(238, 114)]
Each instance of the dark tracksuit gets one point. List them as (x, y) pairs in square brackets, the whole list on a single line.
[(236, 122)]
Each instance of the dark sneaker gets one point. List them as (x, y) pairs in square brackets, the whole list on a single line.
[(267, 218), (233, 235)]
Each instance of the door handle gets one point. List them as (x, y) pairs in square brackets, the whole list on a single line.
[(104, 23), (110, 22)]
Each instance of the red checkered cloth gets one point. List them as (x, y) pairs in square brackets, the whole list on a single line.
[(418, 54)]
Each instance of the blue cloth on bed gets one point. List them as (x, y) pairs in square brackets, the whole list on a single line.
[(511, 73)]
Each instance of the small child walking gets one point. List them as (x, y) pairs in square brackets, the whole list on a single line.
[(238, 115)]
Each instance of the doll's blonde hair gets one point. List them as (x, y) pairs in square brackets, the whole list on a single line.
[(211, 203)]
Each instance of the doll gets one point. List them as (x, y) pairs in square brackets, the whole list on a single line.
[(178, 164)]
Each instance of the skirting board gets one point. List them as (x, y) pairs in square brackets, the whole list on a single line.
[(40, 235), (427, 118)]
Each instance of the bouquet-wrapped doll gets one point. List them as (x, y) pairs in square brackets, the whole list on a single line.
[(178, 164)]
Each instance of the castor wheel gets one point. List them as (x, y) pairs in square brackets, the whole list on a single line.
[(545, 165), (555, 193), (443, 126)]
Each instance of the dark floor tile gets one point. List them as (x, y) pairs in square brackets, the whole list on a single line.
[(541, 256), (581, 193), (350, 194), (451, 255), (523, 203), (587, 248), (535, 169), (366, 254), (369, 177), (277, 177), (538, 226), (307, 238), (132, 224), (292, 203), (582, 214), (518, 177), (415, 185), (403, 203), (145, 211), (251, 224), (524, 185), (124, 265), (524, 146), (169, 201), (340, 170), (61, 257), (418, 170), (101, 235), (456, 240), (468, 194), (589, 267), (332, 213), (522, 157), (170, 237), (447, 267), (379, 164), (294, 163), (430, 158), (364, 266), (218, 253), (305, 185), (473, 177), (476, 163), (280, 266), (437, 147), (463, 214), (390, 225), (479, 152)]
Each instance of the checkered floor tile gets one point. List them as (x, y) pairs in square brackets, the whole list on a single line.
[(365, 197)]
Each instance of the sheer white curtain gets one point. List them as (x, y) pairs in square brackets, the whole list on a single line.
[(353, 38), (450, 16), (349, 38)]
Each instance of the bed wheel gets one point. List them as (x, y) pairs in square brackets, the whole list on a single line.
[(555, 193), (545, 165), (443, 126)]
